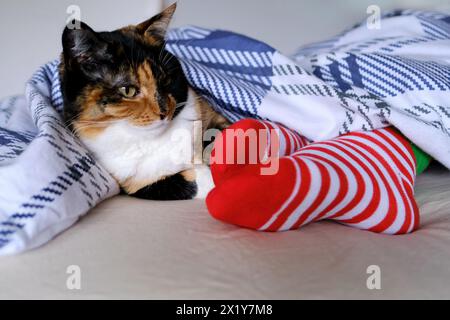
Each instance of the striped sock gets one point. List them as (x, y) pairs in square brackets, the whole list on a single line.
[(225, 162), (362, 179)]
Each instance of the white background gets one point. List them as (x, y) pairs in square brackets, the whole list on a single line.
[(30, 31)]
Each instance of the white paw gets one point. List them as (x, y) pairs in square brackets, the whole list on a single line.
[(204, 181)]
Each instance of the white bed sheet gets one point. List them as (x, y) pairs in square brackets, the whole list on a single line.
[(128, 248)]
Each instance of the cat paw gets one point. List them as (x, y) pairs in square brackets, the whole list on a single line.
[(176, 187), (204, 181)]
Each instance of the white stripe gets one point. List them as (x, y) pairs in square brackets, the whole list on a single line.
[(397, 156), (234, 58), (289, 200), (193, 53), (210, 55), (257, 59), (255, 78), (216, 87), (242, 58), (174, 49), (282, 142), (185, 52), (400, 145), (248, 92), (400, 66), (347, 172), (226, 57), (217, 56), (266, 81), (397, 173), (201, 54), (266, 58), (291, 141), (331, 195), (313, 191), (384, 74), (297, 143), (250, 59), (381, 210), (409, 202), (400, 218)]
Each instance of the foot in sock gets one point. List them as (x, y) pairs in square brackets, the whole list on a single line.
[(362, 179), (256, 141)]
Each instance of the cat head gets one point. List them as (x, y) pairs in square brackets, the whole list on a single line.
[(123, 75)]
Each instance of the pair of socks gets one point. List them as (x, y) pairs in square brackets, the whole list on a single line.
[(361, 179)]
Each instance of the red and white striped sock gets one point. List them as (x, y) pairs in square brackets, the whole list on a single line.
[(227, 159), (362, 179)]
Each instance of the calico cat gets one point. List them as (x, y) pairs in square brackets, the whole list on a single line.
[(127, 99)]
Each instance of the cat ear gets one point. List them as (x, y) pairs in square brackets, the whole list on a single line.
[(154, 29), (82, 44)]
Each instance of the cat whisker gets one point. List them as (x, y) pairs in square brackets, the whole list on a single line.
[(167, 60), (99, 123), (91, 124), (187, 103), (173, 69), (163, 48)]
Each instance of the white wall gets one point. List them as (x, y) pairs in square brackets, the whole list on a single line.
[(30, 31), (285, 24)]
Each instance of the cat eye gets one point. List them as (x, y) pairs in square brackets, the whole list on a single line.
[(128, 92)]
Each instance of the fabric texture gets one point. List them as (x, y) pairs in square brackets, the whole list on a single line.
[(361, 179), (361, 80), (47, 177)]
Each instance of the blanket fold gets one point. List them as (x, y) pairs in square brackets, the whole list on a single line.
[(47, 177), (362, 79)]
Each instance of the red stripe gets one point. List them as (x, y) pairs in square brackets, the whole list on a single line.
[(296, 146), (403, 141), (393, 209), (324, 189), (298, 139), (407, 222), (287, 141), (305, 141), (415, 208), (402, 168), (269, 126), (305, 184), (360, 188), (343, 186)]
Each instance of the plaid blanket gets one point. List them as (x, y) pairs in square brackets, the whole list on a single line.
[(360, 80)]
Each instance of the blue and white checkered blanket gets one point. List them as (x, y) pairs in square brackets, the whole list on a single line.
[(360, 80)]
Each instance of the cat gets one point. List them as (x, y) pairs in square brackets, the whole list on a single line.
[(127, 99)]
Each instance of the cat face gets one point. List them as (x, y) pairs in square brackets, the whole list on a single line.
[(123, 75)]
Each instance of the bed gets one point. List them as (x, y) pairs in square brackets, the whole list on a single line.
[(128, 248)]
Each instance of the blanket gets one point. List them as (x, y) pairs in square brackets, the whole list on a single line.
[(362, 79)]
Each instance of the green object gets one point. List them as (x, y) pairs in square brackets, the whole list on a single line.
[(423, 160)]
